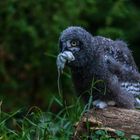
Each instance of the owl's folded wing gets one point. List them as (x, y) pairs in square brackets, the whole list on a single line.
[(115, 67), (129, 79)]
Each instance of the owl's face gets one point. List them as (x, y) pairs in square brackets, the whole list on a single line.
[(78, 41)]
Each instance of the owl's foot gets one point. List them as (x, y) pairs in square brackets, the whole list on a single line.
[(111, 103), (102, 104), (137, 103)]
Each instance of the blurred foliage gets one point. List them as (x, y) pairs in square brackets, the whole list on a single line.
[(34, 124), (30, 29)]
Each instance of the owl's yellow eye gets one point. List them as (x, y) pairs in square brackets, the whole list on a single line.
[(73, 43)]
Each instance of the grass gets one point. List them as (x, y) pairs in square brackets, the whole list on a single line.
[(34, 124)]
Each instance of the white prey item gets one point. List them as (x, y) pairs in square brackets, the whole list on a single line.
[(62, 58)]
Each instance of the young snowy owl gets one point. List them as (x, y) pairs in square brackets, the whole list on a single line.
[(101, 64)]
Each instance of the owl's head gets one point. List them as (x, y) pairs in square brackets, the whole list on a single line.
[(78, 41)]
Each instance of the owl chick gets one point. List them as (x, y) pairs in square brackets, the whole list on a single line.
[(102, 66)]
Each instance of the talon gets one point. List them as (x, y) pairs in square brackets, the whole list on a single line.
[(111, 103), (137, 103), (100, 104)]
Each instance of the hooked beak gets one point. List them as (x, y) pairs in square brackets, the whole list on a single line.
[(64, 47)]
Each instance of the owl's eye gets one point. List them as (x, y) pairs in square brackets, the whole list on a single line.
[(74, 43)]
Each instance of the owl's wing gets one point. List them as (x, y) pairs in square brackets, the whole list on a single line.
[(122, 71), (122, 54), (124, 67), (118, 50), (120, 60), (115, 65)]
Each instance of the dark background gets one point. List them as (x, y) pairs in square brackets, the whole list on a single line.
[(29, 32)]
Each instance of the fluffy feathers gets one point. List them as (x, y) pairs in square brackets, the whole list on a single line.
[(101, 59)]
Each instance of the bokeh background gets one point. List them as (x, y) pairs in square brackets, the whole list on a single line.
[(29, 32)]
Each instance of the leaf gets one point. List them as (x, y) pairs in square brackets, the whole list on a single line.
[(100, 132), (135, 137), (120, 133)]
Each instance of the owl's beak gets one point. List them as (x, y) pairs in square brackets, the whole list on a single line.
[(64, 47)]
